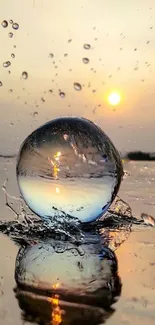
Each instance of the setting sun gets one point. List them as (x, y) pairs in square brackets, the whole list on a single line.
[(114, 98)]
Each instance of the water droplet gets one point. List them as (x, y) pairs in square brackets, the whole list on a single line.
[(6, 64), (50, 91), (42, 99), (77, 86), (24, 75), (1, 84), (15, 26), (70, 40), (62, 94), (11, 21), (4, 23), (10, 35), (85, 60), (51, 55), (68, 177), (66, 54), (13, 55), (86, 46), (14, 46)]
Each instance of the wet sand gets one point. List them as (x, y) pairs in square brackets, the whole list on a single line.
[(136, 261)]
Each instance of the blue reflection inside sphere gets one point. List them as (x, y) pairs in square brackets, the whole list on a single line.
[(69, 167)]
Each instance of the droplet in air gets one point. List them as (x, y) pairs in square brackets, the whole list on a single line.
[(15, 26), (4, 23), (11, 21), (85, 60), (10, 35), (13, 55), (24, 75), (77, 86), (68, 177), (61, 94), (6, 64), (1, 84), (51, 55), (86, 46)]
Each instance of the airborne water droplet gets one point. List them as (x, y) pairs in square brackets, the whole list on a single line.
[(77, 86), (62, 172), (85, 60), (4, 23), (51, 55), (62, 94), (10, 35), (86, 46), (15, 26), (24, 75), (11, 21), (1, 84), (6, 64), (13, 55)]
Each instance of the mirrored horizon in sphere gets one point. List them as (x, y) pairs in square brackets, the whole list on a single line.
[(69, 167)]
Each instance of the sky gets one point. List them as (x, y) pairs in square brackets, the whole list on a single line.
[(49, 46)]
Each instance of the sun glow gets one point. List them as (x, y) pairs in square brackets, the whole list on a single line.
[(114, 98)]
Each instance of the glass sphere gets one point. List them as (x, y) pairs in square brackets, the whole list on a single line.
[(69, 167)]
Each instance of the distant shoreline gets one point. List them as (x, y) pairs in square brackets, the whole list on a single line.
[(140, 156)]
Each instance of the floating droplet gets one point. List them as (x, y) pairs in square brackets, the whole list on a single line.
[(86, 46), (69, 177), (15, 26), (4, 23), (24, 75), (6, 64), (77, 86), (11, 21), (10, 35), (51, 55), (62, 94), (85, 60), (1, 84), (13, 55), (70, 40)]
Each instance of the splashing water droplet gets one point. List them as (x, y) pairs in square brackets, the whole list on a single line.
[(6, 64), (13, 55), (15, 26), (11, 21), (10, 35), (4, 23), (62, 94), (24, 75), (85, 60), (86, 46), (76, 176), (77, 86)]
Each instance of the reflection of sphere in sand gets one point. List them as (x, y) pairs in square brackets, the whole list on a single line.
[(69, 167), (76, 279)]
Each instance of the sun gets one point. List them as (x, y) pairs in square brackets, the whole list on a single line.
[(114, 98)]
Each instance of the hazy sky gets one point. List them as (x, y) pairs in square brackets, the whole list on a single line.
[(122, 57)]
